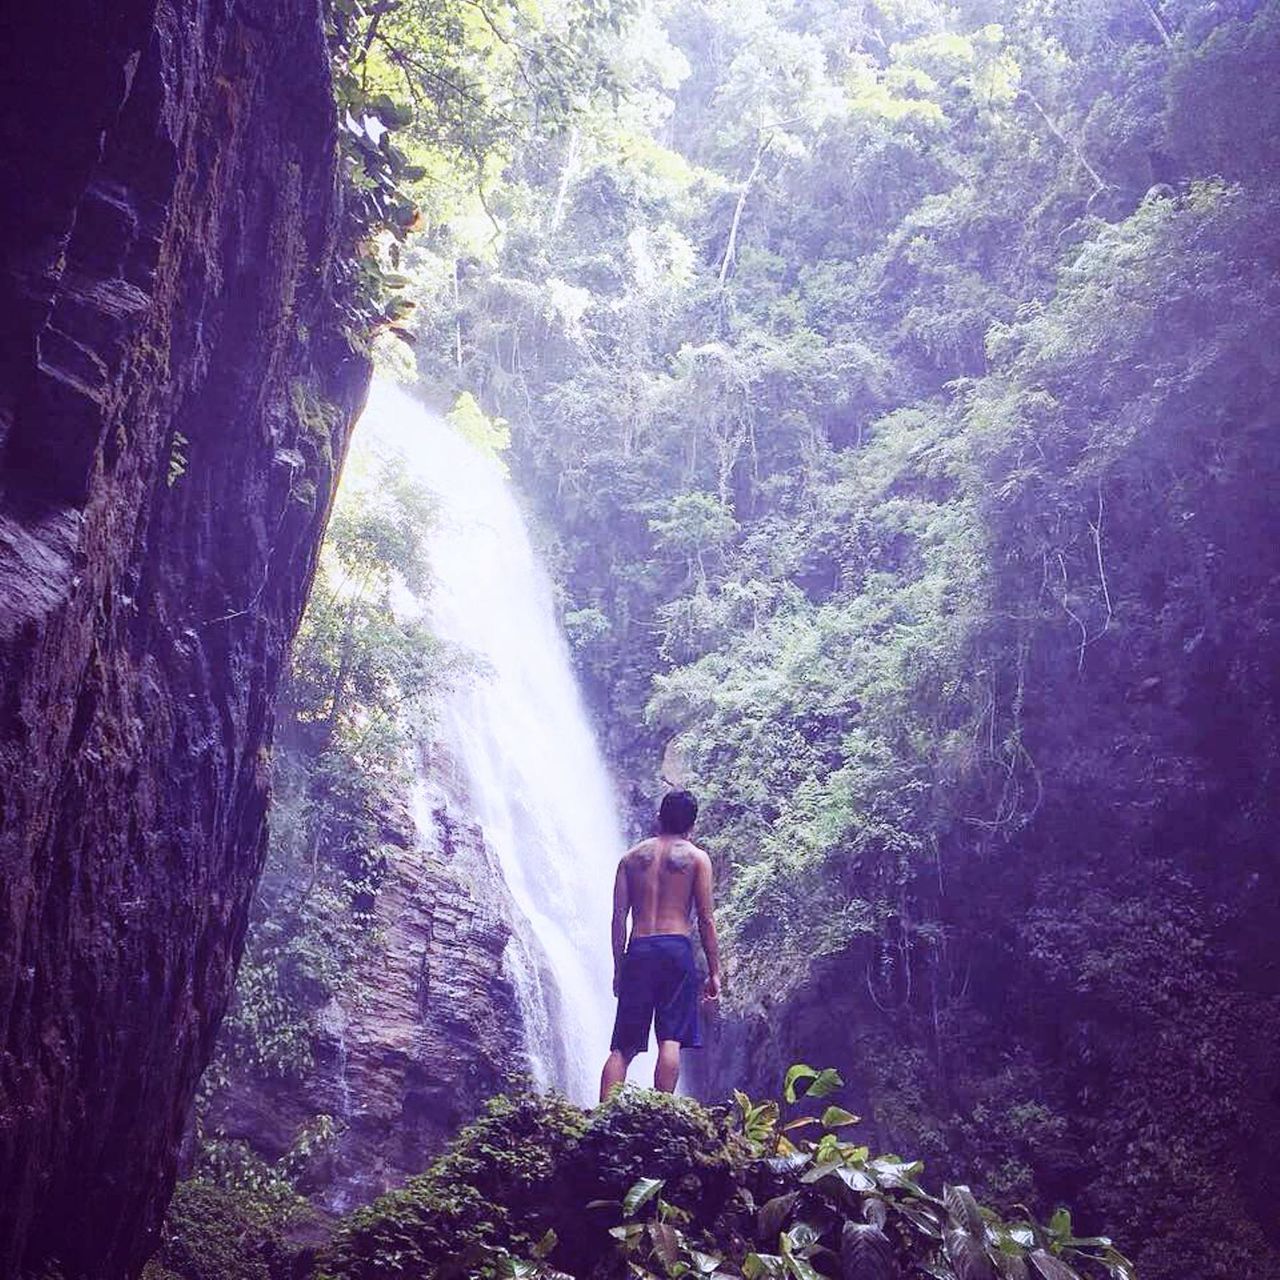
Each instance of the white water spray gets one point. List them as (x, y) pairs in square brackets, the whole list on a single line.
[(533, 774)]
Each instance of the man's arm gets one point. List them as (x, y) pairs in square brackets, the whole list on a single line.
[(621, 905), (707, 924)]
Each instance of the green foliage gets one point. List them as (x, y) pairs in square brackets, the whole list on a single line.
[(211, 1233), (534, 1167), (432, 98), (356, 663), (489, 1189), (832, 1208), (492, 435), (804, 1082), (538, 1189), (267, 1188)]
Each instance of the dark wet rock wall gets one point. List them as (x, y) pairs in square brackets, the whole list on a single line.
[(175, 396)]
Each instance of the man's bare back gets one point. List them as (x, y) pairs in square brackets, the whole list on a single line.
[(662, 877)]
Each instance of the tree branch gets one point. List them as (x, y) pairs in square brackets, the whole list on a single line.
[(731, 246)]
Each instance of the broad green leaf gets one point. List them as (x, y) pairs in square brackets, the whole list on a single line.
[(800, 1268), (640, 1194), (1060, 1223), (892, 1172), (820, 1171), (1051, 1268), (794, 1075), (967, 1255), (773, 1213), (797, 1265), (803, 1122), (802, 1236), (668, 1212), (1119, 1266), (865, 1253), (922, 1218), (1012, 1267), (763, 1266), (546, 1244), (828, 1081), (838, 1117), (760, 1120), (855, 1179), (828, 1148), (666, 1242), (963, 1209)]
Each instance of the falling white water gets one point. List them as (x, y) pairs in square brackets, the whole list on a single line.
[(533, 774)]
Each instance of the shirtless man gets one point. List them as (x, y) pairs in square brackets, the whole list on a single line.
[(661, 882)]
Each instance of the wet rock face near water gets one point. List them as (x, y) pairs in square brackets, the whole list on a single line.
[(429, 1029), (175, 393)]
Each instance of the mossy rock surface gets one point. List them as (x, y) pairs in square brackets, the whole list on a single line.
[(649, 1187), (211, 1233), (531, 1165)]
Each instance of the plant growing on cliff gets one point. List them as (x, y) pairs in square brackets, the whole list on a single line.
[(218, 1233), (432, 101)]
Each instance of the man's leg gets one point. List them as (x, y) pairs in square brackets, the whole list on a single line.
[(615, 1072), (667, 1071)]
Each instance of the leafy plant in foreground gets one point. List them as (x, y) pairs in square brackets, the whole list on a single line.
[(822, 1206)]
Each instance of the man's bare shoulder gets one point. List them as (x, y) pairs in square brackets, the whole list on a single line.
[(640, 853), (700, 855)]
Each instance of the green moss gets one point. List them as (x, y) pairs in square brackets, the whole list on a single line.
[(211, 1233), (317, 419), (642, 1133), (531, 1164), (493, 1186)]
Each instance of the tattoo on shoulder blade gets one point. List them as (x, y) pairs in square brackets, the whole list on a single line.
[(679, 857)]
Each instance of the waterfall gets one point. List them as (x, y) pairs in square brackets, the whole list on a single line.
[(532, 772)]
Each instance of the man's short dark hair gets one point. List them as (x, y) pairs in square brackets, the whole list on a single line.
[(677, 813)]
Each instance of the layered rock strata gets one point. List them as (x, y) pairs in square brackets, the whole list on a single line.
[(175, 396), (427, 1029)]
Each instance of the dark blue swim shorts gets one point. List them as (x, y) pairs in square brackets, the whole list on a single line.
[(659, 984)]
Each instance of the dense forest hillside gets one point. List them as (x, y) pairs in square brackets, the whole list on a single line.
[(895, 384)]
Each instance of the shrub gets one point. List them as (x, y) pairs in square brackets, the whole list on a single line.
[(649, 1186), (211, 1233)]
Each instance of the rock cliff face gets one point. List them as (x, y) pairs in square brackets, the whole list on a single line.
[(175, 395), (431, 1027)]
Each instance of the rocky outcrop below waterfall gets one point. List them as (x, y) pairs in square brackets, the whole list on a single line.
[(427, 1028), (175, 394)]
